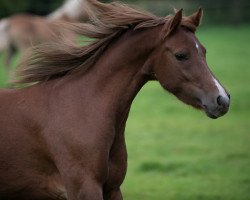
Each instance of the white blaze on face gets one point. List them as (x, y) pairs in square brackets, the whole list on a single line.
[(197, 46), (221, 90)]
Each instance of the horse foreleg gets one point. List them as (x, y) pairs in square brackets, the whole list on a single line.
[(84, 174), (83, 188), (90, 190)]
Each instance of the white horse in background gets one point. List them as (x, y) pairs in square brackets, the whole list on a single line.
[(19, 32)]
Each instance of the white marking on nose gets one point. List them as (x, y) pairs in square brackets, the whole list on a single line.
[(197, 46), (222, 92)]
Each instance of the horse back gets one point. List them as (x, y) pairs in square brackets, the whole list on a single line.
[(29, 30)]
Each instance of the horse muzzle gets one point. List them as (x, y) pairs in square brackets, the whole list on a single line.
[(219, 108)]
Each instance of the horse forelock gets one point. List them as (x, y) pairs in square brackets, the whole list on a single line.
[(188, 24), (107, 22)]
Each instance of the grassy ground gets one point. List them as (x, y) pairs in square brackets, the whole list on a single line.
[(177, 153), (4, 78)]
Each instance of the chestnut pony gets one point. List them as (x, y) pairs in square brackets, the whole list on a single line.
[(63, 136)]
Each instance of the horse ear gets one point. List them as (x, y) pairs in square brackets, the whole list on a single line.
[(172, 24), (196, 17)]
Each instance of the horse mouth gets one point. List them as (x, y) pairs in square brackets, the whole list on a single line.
[(211, 115), (216, 112)]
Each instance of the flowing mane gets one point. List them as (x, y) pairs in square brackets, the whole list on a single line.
[(107, 22)]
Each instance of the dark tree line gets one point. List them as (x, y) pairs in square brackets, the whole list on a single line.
[(39, 7)]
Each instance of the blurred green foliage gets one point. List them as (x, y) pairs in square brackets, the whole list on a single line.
[(216, 12), (40, 7), (219, 11)]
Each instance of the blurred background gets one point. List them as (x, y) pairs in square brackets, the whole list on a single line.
[(217, 12), (176, 152)]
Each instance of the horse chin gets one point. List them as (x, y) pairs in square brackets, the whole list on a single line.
[(211, 115), (214, 114)]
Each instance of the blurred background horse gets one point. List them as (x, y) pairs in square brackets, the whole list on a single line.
[(21, 31)]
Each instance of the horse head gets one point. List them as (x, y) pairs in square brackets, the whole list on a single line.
[(179, 64)]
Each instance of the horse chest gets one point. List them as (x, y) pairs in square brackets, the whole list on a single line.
[(117, 163), (33, 187)]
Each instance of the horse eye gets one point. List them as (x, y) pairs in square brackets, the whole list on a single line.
[(181, 56)]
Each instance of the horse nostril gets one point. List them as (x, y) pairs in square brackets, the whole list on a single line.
[(219, 100), (223, 101), (229, 96)]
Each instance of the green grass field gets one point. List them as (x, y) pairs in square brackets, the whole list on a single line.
[(176, 152)]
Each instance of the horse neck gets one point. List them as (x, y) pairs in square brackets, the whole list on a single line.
[(121, 71)]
